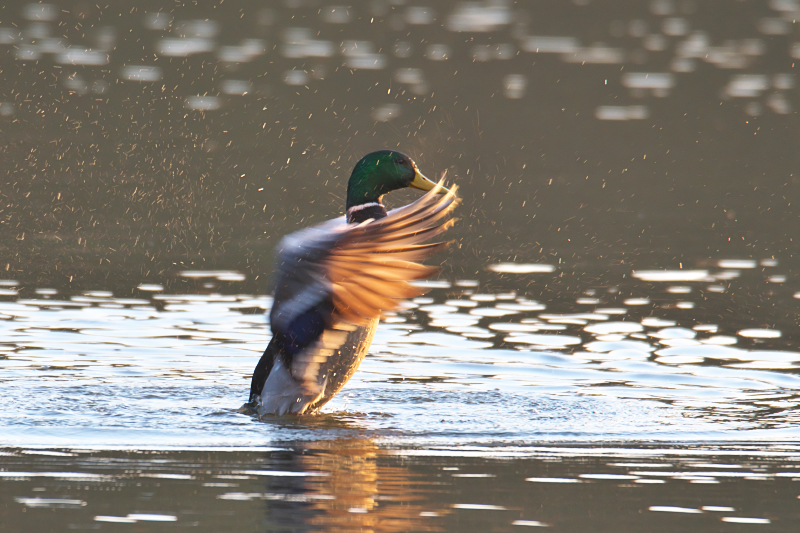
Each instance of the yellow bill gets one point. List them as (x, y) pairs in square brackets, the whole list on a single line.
[(424, 184)]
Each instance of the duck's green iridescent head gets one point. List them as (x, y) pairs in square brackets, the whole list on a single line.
[(381, 172)]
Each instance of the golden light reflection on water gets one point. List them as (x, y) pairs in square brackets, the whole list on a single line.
[(369, 495)]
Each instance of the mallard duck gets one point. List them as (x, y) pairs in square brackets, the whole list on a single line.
[(334, 280)]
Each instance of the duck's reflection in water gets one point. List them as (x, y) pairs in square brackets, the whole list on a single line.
[(350, 485)]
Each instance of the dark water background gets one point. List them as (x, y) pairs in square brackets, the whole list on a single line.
[(622, 296), (113, 178)]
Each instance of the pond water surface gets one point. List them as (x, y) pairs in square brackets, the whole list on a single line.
[(612, 342)]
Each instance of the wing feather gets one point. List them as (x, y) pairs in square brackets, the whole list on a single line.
[(364, 269)]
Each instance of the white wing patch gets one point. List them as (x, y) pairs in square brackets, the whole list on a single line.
[(282, 395)]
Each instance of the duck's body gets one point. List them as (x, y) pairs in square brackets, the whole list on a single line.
[(335, 279)]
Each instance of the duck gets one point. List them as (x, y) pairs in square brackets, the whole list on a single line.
[(336, 279)]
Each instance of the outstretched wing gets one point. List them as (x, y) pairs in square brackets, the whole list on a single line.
[(335, 277)]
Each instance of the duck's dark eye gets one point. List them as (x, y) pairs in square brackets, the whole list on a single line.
[(401, 161)]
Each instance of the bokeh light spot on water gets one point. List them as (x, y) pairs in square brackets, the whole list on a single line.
[(136, 517), (52, 503), (386, 112), (183, 47), (203, 103), (514, 86), (671, 509), (614, 477), (720, 339), (674, 333), (432, 284), (671, 275), (549, 44), (141, 73), (150, 287), (236, 87), (518, 268), (744, 520), (631, 112), (221, 275), (478, 507), (552, 480), (83, 57), (544, 340), (658, 83), (760, 333), (474, 17), (737, 263), (655, 322), (114, 519)]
